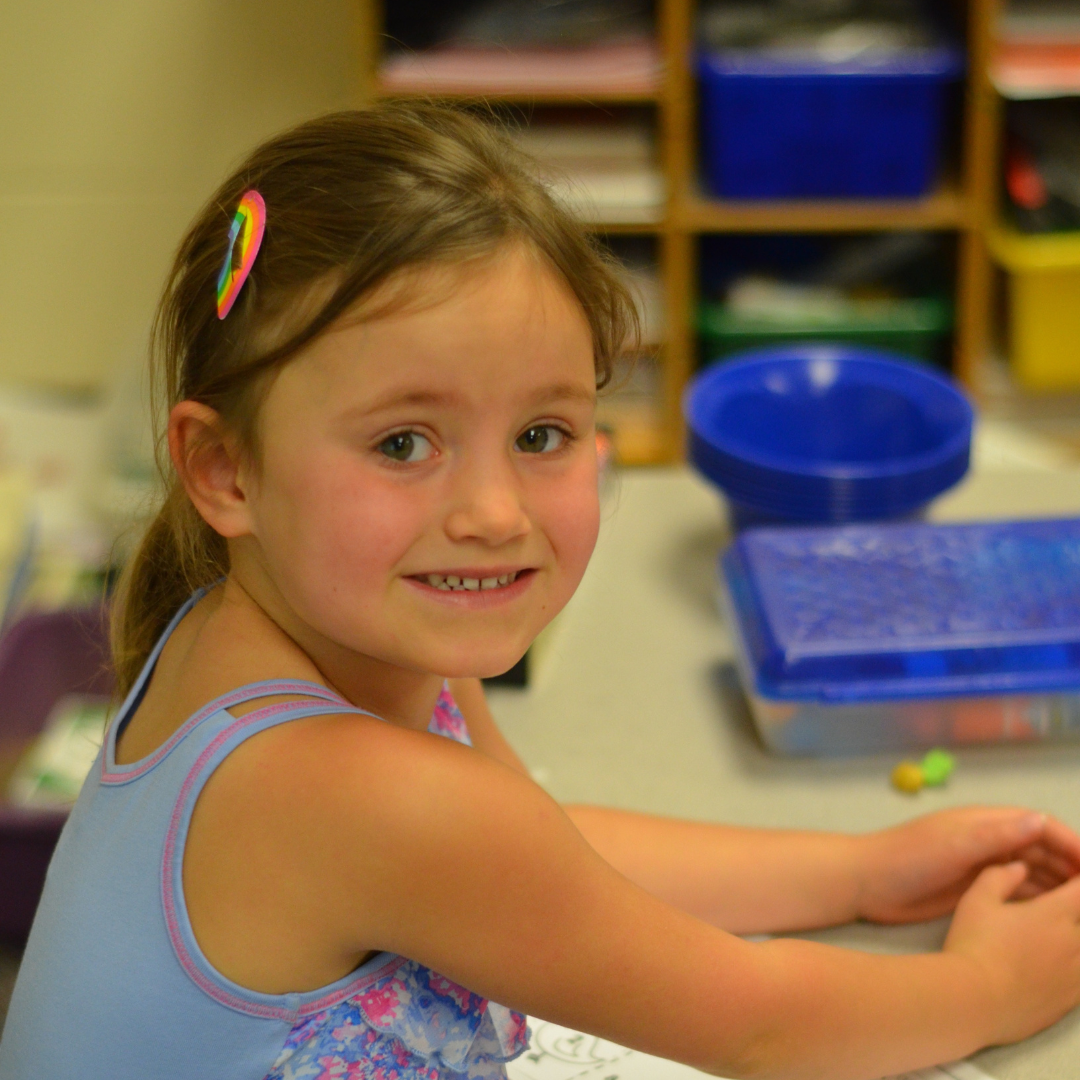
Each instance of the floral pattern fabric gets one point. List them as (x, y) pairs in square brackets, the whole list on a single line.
[(409, 1023), (447, 719)]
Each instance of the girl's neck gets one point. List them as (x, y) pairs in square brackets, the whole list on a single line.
[(401, 696)]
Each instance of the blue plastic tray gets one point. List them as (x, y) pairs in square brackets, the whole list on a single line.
[(783, 127), (883, 612)]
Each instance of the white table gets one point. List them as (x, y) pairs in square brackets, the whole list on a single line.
[(633, 706)]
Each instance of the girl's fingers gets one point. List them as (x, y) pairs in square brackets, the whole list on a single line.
[(1029, 887), (1008, 826), (1038, 857), (1028, 891), (1039, 881), (998, 884), (1066, 896), (1058, 837), (1043, 882), (1000, 832)]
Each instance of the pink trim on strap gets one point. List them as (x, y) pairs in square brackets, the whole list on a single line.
[(226, 701), (169, 887)]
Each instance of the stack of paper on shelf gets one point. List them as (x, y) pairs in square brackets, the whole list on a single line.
[(606, 173), (1038, 50), (615, 69)]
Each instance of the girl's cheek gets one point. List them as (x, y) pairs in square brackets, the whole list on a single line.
[(373, 528), (346, 525), (575, 523)]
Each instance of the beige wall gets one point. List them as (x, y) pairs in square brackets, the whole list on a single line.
[(117, 119)]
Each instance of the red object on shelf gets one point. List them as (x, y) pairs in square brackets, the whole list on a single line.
[(628, 69), (1022, 179)]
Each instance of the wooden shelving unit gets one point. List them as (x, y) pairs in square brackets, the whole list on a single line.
[(624, 228), (525, 97), (964, 205), (944, 209)]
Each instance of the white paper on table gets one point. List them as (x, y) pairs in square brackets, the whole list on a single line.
[(558, 1053)]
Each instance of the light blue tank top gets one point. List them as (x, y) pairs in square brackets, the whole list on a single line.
[(113, 984)]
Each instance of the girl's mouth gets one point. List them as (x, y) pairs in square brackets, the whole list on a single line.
[(461, 583)]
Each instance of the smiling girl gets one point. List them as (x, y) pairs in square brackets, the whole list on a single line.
[(306, 851)]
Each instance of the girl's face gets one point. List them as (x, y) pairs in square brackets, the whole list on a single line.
[(427, 491)]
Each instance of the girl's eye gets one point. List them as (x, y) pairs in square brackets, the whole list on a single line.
[(407, 446), (541, 439)]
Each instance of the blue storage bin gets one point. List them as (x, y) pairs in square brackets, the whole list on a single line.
[(776, 126), (864, 638)]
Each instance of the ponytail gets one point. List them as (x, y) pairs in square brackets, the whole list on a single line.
[(178, 554)]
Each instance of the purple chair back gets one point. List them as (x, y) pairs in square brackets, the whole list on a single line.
[(43, 657)]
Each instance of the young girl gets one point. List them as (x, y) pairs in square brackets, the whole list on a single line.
[(306, 850)]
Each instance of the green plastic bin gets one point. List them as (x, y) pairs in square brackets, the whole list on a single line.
[(918, 327)]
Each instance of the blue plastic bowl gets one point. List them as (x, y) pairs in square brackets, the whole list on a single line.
[(827, 433)]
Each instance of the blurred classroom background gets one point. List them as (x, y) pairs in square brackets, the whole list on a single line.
[(884, 172)]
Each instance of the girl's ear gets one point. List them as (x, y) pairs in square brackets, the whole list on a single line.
[(209, 462)]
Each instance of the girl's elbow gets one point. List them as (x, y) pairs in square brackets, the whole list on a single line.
[(761, 1057)]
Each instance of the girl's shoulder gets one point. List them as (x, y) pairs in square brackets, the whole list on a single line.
[(332, 817), (346, 762)]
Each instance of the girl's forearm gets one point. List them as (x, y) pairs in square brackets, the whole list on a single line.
[(841, 1014), (743, 880)]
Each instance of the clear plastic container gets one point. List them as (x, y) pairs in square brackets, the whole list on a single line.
[(864, 638)]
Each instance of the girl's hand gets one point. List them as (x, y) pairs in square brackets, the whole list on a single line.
[(1026, 955), (920, 870)]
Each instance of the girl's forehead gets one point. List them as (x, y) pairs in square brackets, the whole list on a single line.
[(513, 281), (506, 319)]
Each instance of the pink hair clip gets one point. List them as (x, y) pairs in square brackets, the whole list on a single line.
[(247, 227)]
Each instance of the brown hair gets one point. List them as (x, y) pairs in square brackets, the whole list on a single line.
[(351, 199)]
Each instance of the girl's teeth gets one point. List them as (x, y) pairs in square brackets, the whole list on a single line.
[(452, 583)]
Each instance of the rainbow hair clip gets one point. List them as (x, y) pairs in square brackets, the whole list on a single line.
[(247, 227)]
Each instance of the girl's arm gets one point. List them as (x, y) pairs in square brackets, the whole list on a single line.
[(768, 880), (424, 848), (744, 880)]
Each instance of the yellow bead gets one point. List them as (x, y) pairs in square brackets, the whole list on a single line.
[(907, 776)]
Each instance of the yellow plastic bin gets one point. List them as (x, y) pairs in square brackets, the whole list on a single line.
[(1044, 306)]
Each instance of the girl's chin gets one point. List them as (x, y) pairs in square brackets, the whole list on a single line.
[(478, 666)]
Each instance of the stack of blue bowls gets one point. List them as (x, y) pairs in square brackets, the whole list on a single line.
[(827, 433)]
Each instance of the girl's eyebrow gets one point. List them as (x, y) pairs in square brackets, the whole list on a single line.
[(395, 399), (566, 391), (561, 391)]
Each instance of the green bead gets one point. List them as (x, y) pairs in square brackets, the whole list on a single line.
[(937, 766)]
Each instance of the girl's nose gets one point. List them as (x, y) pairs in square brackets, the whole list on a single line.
[(489, 509)]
